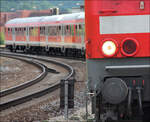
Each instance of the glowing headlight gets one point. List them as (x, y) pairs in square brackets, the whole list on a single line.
[(109, 48)]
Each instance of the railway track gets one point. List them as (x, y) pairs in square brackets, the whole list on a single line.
[(34, 89), (42, 67)]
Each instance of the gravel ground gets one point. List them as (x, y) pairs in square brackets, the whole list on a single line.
[(47, 108), (14, 72)]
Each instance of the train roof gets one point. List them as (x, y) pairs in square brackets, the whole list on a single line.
[(46, 20)]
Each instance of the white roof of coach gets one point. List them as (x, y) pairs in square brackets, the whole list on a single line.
[(55, 18)]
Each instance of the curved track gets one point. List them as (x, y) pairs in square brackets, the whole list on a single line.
[(11, 90), (34, 90)]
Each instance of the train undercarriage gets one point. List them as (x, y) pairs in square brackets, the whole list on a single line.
[(121, 90), (52, 51)]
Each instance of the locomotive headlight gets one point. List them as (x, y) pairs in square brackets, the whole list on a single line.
[(109, 48), (129, 47)]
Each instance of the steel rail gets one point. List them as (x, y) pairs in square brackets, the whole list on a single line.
[(27, 83), (66, 66), (51, 88)]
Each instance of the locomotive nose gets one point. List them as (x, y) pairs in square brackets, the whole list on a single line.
[(114, 90)]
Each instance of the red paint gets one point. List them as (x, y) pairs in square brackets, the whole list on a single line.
[(96, 8), (20, 38), (8, 36), (54, 38), (34, 38)]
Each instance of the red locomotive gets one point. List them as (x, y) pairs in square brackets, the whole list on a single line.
[(58, 34), (118, 58)]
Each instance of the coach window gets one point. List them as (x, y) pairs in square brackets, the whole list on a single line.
[(72, 30), (30, 31), (9, 31), (19, 31), (76, 30), (80, 30), (16, 31), (59, 30), (52, 30), (83, 29), (22, 31), (42, 30), (67, 30), (33, 31)]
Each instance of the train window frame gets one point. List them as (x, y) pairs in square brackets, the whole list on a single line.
[(59, 30), (72, 30), (52, 31), (33, 31), (30, 31), (76, 30), (79, 29), (80, 26), (22, 31), (59, 27), (68, 31), (42, 31), (83, 29), (16, 31), (9, 31)]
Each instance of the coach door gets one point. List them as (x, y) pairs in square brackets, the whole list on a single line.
[(59, 33), (78, 33), (13, 35), (27, 34), (52, 34), (68, 34), (62, 33), (82, 33)]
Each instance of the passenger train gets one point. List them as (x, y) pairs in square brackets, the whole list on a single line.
[(58, 34), (118, 59)]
